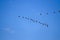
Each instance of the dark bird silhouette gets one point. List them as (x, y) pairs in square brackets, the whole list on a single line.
[(32, 20), (47, 13), (26, 18), (22, 17), (46, 25), (59, 11), (54, 12), (18, 16), (43, 24), (36, 21), (39, 22), (40, 13)]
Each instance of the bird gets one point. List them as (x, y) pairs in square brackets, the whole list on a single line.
[(54, 12), (26, 18), (43, 24), (40, 14), (47, 13), (46, 25), (22, 17), (18, 16), (59, 11), (32, 20), (40, 22), (36, 21)]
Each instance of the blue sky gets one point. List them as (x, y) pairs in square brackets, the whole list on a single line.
[(13, 27)]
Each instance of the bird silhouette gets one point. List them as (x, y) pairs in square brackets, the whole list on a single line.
[(47, 13), (26, 18), (22, 16), (36, 21), (40, 13), (18, 16), (32, 20), (54, 12), (59, 11), (39, 22), (43, 24), (46, 25)]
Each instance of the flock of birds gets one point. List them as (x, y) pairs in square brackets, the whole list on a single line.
[(48, 13), (33, 20), (9, 30), (36, 21)]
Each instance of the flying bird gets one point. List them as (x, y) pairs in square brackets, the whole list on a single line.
[(18, 16), (43, 24), (32, 20), (46, 25), (36, 21), (22, 17), (40, 13), (26, 18), (40, 22), (54, 12), (59, 11), (47, 13)]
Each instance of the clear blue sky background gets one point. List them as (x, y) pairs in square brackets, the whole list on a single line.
[(14, 28)]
